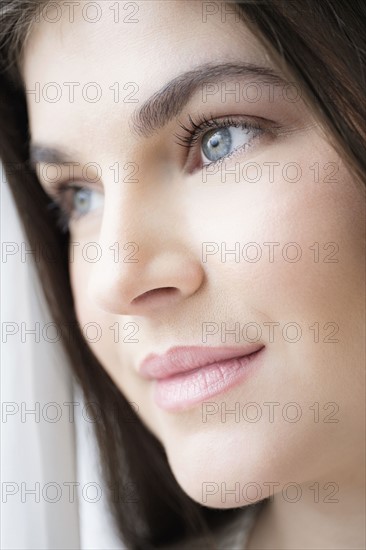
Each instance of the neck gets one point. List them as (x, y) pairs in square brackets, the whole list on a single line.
[(322, 515)]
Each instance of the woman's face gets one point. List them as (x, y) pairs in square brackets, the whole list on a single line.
[(249, 236)]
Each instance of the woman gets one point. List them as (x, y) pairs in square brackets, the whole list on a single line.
[(192, 174)]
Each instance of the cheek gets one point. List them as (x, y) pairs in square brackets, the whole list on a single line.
[(95, 323), (291, 242), (79, 276)]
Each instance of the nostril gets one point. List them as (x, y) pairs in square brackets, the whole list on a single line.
[(157, 294)]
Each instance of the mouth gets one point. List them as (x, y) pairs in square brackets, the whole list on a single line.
[(186, 376)]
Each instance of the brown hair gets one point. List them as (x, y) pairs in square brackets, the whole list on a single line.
[(320, 44)]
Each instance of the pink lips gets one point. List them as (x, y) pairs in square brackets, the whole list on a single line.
[(185, 376)]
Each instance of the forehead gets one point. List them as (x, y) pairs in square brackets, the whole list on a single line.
[(86, 63)]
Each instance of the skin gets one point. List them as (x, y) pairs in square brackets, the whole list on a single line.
[(169, 213)]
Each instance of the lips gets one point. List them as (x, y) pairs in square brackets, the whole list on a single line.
[(185, 376)]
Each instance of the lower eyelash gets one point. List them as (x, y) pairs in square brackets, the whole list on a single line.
[(237, 151)]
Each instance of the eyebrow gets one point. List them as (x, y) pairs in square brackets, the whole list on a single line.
[(168, 102)]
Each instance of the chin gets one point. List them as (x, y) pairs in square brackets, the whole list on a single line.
[(222, 471)]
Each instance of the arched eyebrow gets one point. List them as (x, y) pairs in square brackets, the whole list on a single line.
[(168, 102)]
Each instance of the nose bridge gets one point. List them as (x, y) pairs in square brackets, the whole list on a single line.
[(122, 240), (133, 219), (146, 263)]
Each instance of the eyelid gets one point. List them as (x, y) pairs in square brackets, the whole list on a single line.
[(53, 188), (68, 183), (57, 202), (64, 176)]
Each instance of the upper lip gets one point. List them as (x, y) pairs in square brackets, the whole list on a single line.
[(182, 359)]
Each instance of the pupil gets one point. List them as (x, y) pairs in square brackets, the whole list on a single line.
[(214, 142)]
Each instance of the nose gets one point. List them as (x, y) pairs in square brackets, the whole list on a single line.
[(147, 262)]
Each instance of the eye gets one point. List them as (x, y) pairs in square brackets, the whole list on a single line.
[(74, 202), (85, 200), (211, 140), (217, 144)]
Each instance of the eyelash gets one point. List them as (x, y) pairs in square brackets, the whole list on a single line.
[(198, 128)]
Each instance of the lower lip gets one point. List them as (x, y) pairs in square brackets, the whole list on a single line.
[(184, 390)]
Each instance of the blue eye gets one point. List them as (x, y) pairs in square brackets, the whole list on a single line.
[(212, 140), (85, 200), (74, 202), (219, 143)]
